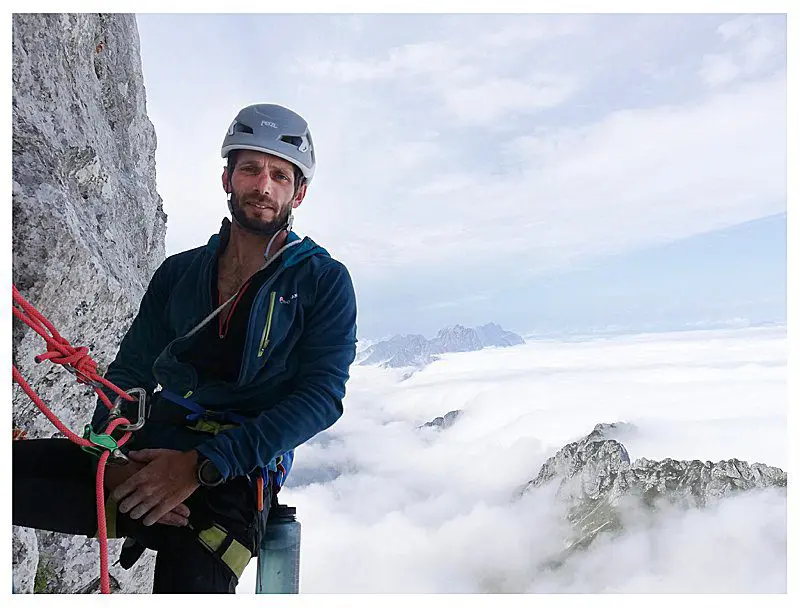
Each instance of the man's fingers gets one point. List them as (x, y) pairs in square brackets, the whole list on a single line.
[(141, 509), (172, 519), (131, 502), (124, 489), (141, 476), (155, 514), (146, 455), (136, 505)]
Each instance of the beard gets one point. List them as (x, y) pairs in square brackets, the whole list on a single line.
[(255, 225)]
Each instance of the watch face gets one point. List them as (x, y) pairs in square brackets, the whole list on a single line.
[(209, 474)]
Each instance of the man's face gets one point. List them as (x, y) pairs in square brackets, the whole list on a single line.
[(263, 189)]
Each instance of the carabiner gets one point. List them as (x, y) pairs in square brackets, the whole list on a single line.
[(116, 411)]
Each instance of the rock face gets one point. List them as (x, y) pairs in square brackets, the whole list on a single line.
[(417, 352), (400, 351), (492, 334), (441, 423), (458, 339), (596, 481), (25, 550), (88, 233)]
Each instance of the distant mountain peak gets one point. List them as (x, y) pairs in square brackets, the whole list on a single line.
[(416, 351), (597, 484)]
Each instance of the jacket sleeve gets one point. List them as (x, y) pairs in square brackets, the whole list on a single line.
[(144, 341), (326, 351)]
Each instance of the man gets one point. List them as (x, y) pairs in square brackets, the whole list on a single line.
[(245, 345)]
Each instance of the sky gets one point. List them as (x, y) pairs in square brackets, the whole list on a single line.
[(553, 173), (417, 512), (558, 174)]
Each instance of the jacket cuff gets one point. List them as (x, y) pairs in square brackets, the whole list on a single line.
[(208, 450)]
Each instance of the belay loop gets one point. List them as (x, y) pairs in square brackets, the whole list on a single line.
[(101, 445)]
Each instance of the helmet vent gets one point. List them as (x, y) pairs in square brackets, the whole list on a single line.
[(293, 140), (242, 128)]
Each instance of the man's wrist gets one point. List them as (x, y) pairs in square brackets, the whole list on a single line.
[(206, 471)]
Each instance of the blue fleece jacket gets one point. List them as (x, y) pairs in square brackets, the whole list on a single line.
[(299, 346)]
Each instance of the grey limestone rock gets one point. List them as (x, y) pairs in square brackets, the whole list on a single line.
[(416, 351), (400, 351), (24, 559), (443, 422), (597, 482), (88, 229)]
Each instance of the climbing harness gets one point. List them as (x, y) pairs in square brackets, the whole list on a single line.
[(210, 421), (216, 539), (101, 445)]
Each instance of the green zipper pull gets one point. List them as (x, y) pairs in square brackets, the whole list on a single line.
[(265, 334)]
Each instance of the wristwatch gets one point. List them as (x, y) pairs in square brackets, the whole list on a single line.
[(208, 474)]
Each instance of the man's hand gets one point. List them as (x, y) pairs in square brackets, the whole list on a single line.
[(179, 516), (116, 474), (167, 479)]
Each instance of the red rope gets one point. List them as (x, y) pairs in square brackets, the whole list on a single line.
[(59, 350)]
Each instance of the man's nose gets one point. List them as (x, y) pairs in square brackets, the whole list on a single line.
[(264, 183)]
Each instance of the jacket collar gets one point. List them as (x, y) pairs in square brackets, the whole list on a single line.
[(218, 242)]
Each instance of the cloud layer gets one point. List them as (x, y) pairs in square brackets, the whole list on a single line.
[(389, 508)]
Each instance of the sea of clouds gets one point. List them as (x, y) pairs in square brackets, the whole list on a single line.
[(387, 507)]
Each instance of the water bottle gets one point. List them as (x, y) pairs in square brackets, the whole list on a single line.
[(279, 553)]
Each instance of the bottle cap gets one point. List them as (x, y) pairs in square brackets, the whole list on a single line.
[(285, 510)]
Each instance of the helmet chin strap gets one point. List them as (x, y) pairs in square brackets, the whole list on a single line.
[(287, 228)]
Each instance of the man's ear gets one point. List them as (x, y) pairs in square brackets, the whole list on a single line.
[(301, 193), (226, 184)]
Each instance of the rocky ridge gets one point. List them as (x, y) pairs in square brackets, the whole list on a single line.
[(416, 351), (597, 483)]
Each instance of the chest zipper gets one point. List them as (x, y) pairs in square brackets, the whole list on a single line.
[(265, 334)]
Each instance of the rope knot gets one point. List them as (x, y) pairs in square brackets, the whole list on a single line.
[(75, 359)]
